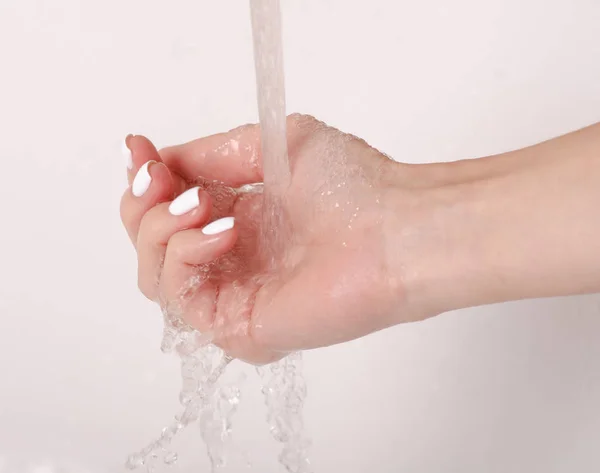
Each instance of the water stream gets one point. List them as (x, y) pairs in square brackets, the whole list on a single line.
[(205, 400), (270, 90)]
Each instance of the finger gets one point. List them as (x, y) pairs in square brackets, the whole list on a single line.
[(150, 180), (152, 185), (190, 210), (232, 157), (187, 281), (139, 150)]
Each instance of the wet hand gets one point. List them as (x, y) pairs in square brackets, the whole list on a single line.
[(315, 275)]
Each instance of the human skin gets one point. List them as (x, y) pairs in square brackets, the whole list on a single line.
[(362, 242)]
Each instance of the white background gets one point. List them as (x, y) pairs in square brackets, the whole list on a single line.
[(513, 388)]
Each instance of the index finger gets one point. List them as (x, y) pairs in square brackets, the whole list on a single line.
[(233, 158)]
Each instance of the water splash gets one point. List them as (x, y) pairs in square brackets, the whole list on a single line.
[(284, 389), (211, 405), (205, 402)]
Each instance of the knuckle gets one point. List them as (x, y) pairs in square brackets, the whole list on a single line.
[(176, 249), (152, 220)]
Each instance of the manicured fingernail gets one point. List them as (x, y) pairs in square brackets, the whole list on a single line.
[(187, 201), (219, 226), (127, 153), (142, 180)]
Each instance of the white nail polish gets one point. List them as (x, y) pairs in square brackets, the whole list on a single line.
[(187, 201), (219, 226), (142, 180), (127, 154)]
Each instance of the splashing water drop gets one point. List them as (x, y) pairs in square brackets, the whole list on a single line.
[(170, 458), (284, 389)]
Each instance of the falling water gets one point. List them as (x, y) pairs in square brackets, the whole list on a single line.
[(268, 61), (270, 88), (205, 401), (283, 383)]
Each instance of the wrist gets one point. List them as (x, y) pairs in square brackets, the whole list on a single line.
[(429, 238), (456, 235), (514, 226)]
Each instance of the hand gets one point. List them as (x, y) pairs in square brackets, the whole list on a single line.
[(359, 242), (315, 276)]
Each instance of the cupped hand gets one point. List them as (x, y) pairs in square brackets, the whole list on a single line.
[(265, 276)]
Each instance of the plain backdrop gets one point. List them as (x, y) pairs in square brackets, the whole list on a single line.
[(511, 388)]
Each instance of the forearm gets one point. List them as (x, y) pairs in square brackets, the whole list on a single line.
[(521, 225)]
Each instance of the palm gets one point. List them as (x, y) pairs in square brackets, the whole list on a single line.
[(317, 265)]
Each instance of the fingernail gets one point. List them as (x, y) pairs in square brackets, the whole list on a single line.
[(187, 201), (127, 153), (142, 180), (219, 226)]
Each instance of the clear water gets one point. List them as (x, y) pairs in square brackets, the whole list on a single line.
[(205, 401), (270, 89), (285, 392)]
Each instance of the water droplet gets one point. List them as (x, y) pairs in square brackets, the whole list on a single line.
[(170, 458), (134, 461)]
